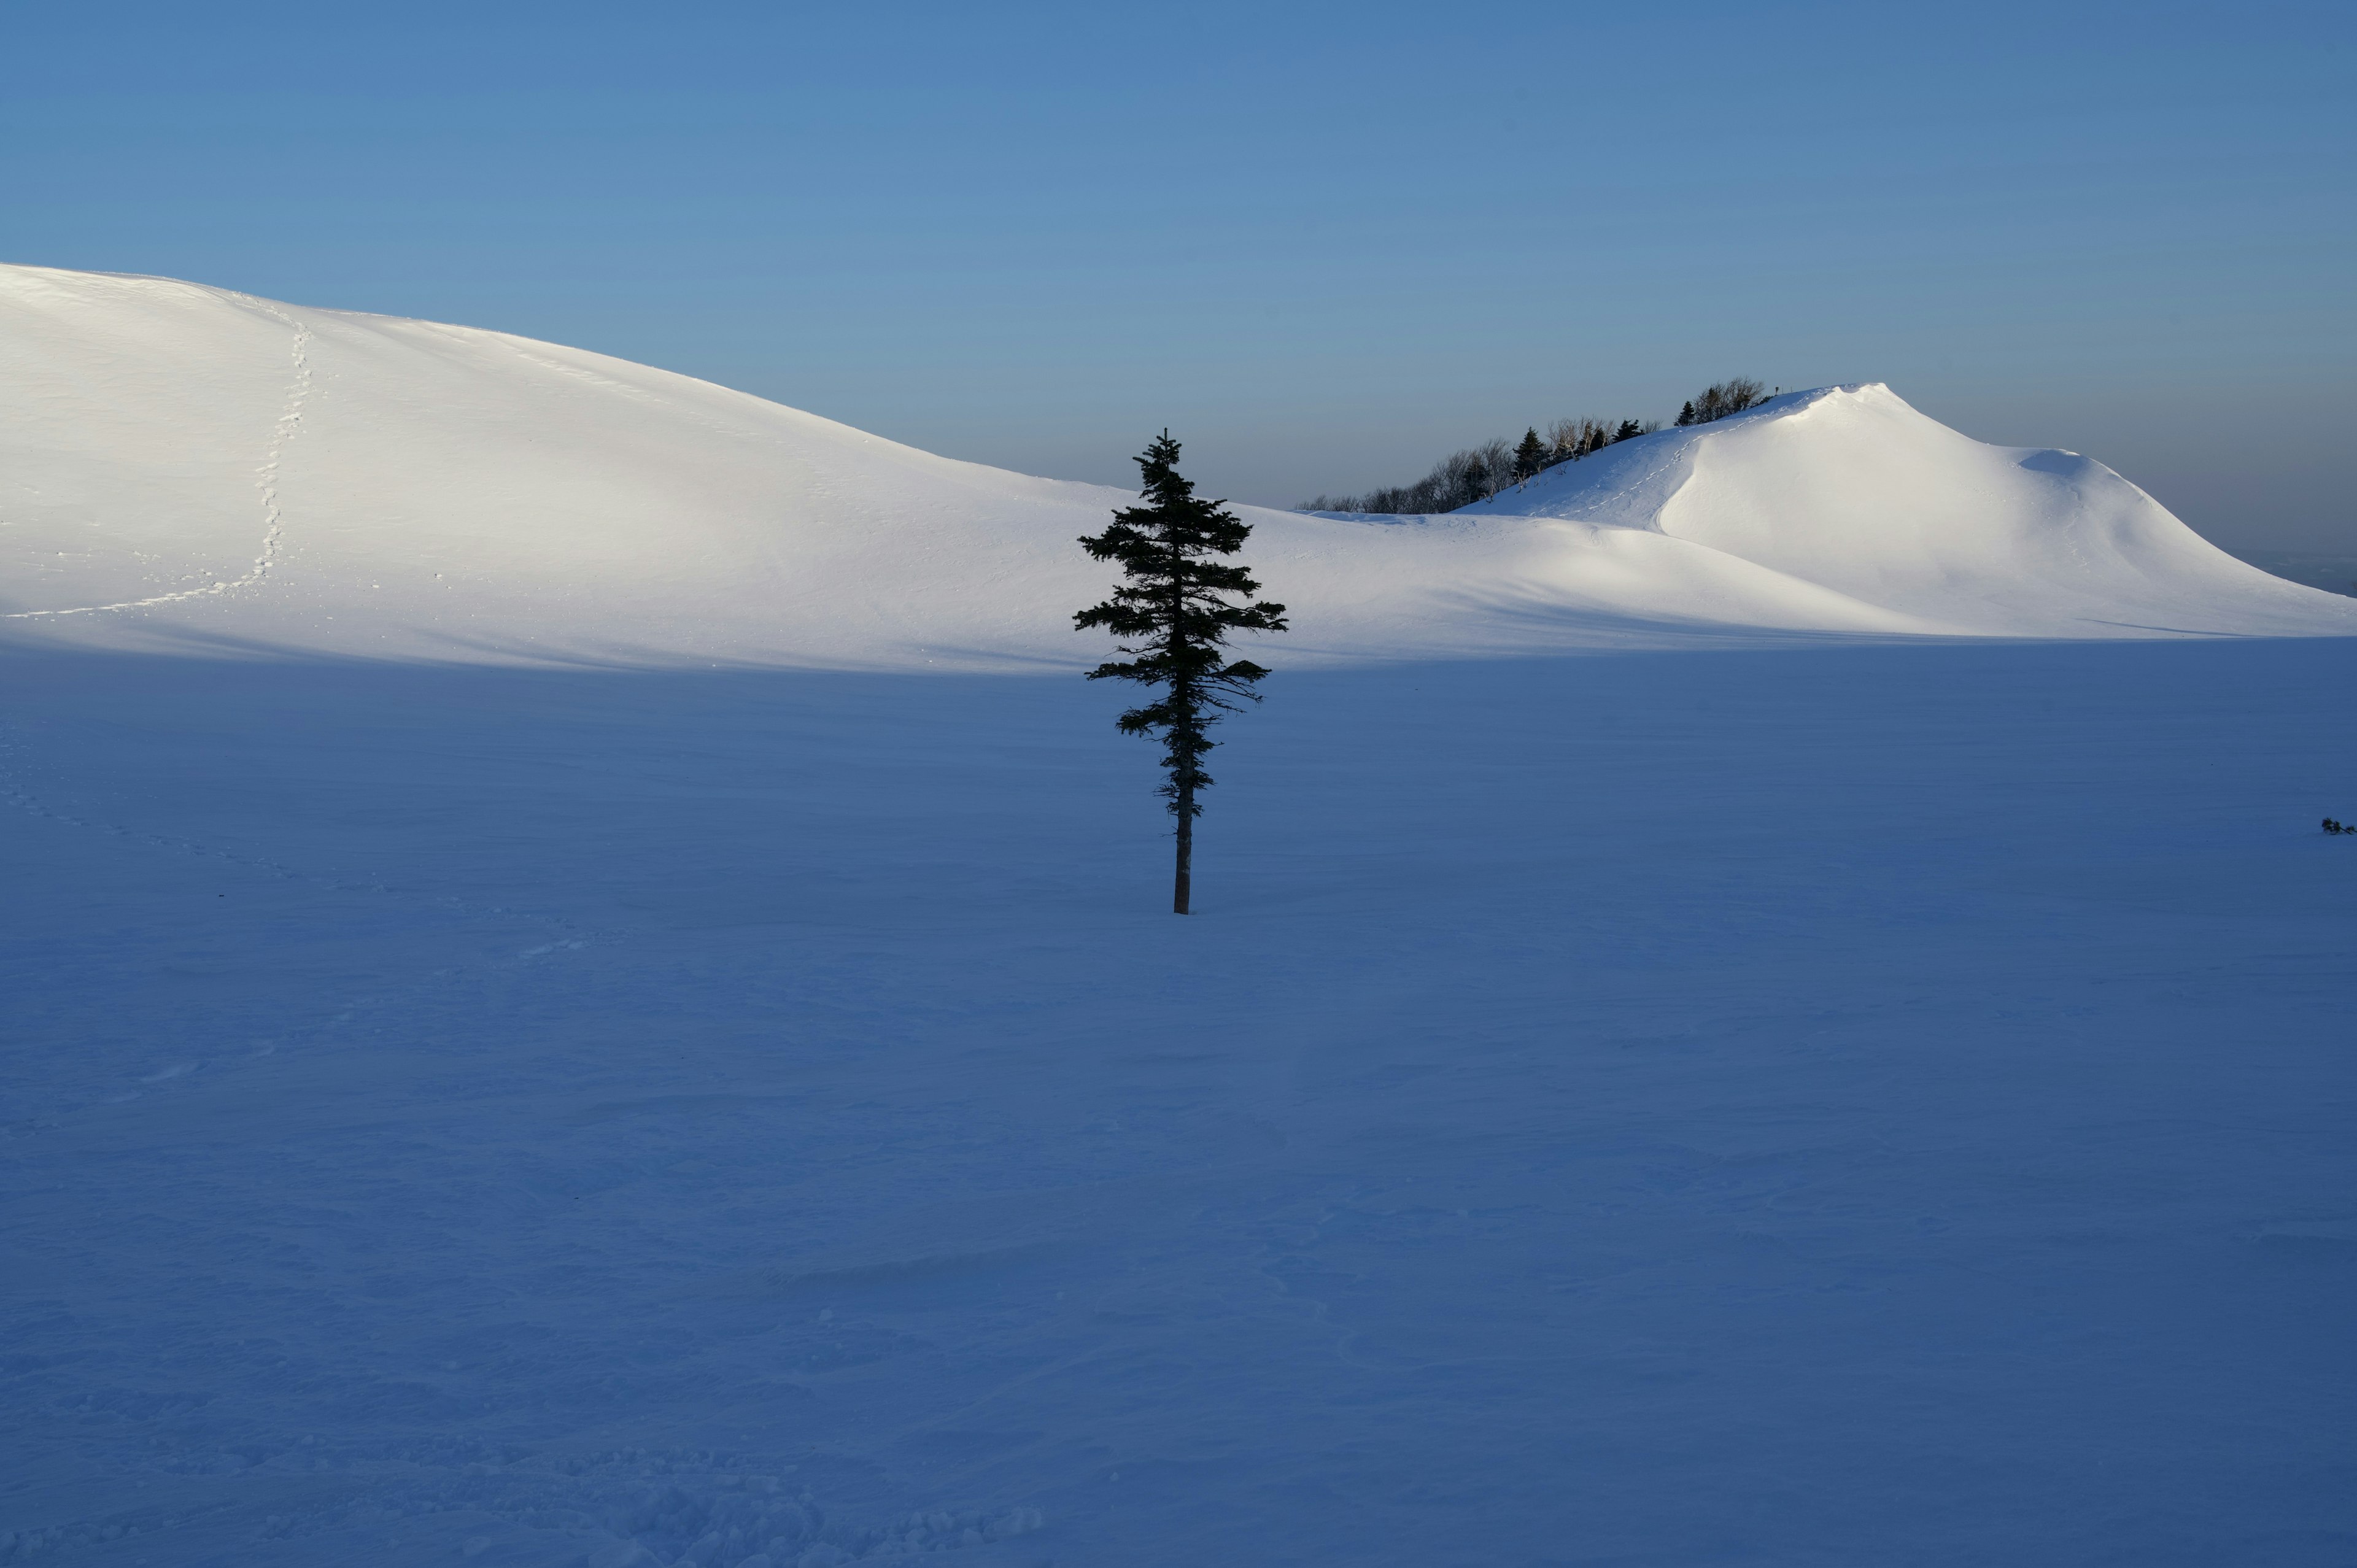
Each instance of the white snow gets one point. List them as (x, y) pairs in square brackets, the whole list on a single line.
[(1836, 1051), (188, 468)]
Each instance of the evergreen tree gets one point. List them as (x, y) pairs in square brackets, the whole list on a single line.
[(1686, 414), (1530, 456), (1630, 429), (1175, 610)]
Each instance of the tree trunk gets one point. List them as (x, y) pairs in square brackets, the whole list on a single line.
[(1186, 849), (1182, 699)]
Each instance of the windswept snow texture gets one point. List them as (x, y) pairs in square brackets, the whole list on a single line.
[(184, 468), (662, 1044)]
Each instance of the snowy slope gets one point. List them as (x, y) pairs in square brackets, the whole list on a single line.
[(183, 466), (539, 1100), (1851, 490)]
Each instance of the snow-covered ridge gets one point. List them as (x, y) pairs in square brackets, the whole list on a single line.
[(188, 467)]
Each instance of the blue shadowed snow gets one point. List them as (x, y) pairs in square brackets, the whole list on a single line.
[(1861, 1105)]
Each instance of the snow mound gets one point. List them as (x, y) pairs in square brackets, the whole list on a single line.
[(184, 467), (1851, 489)]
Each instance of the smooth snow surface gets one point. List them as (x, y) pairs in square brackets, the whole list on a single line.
[(183, 467), (661, 1044), (1868, 1105)]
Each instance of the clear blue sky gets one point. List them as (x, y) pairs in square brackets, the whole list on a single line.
[(1323, 244)]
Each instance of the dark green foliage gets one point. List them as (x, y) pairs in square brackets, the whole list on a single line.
[(1529, 457), (1175, 613), (1686, 416), (2336, 828), (1630, 430)]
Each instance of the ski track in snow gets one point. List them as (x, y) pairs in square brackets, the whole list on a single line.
[(290, 421)]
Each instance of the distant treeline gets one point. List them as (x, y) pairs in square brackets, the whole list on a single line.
[(1479, 472)]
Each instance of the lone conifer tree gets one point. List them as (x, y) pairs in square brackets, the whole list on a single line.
[(1176, 612)]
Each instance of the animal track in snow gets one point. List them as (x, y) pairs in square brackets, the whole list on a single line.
[(290, 421)]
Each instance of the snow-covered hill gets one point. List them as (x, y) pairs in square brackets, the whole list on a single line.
[(184, 466), (1850, 492), (491, 1088)]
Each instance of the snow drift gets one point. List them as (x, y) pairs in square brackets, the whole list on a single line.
[(187, 467)]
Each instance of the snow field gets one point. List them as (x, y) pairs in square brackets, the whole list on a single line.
[(574, 997), (1869, 1104)]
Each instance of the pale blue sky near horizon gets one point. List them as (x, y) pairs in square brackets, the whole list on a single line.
[(1324, 244)]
